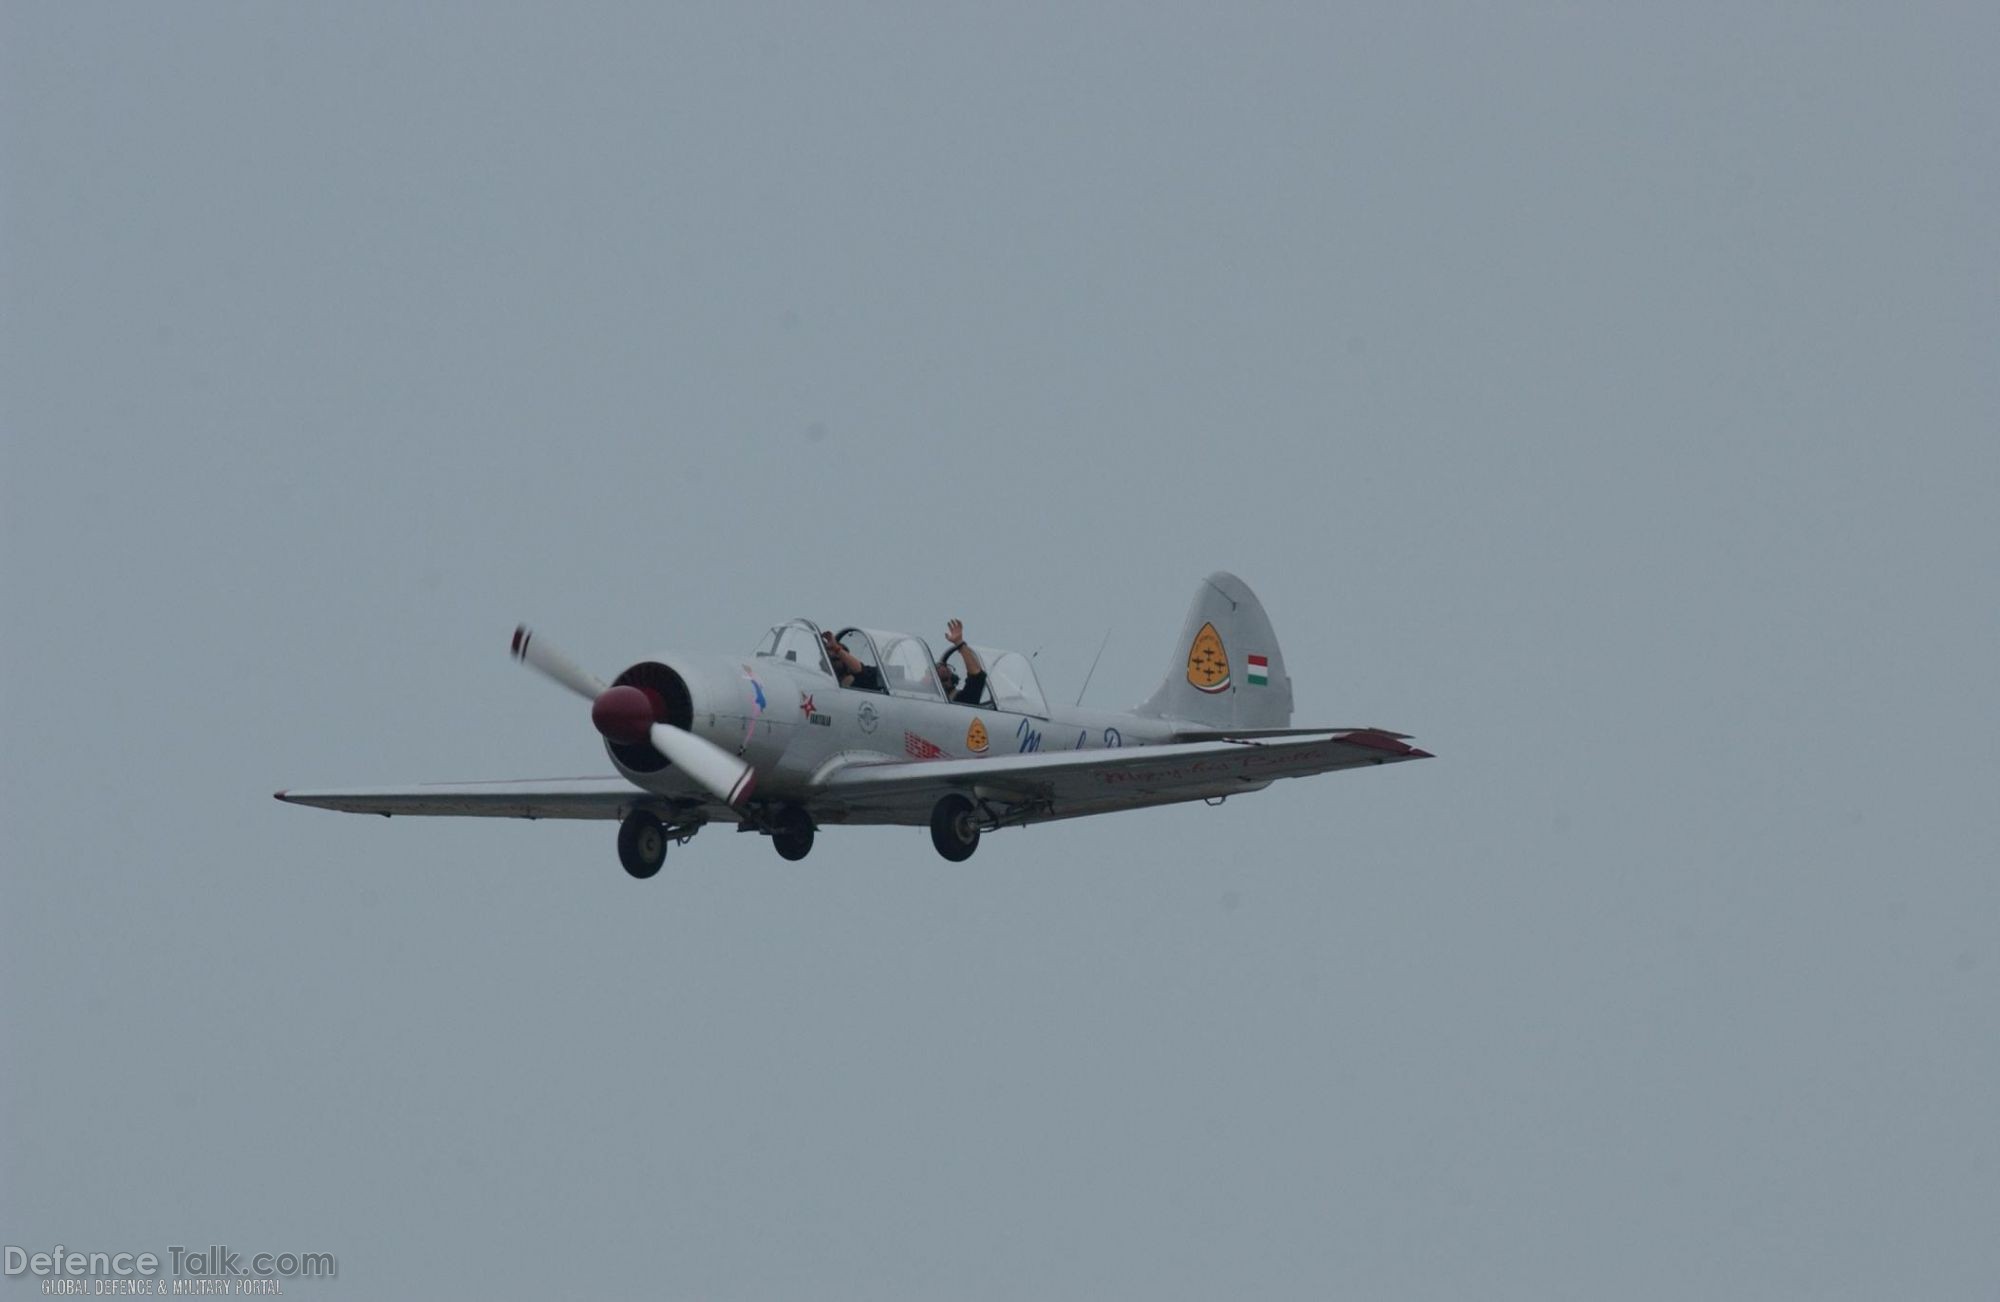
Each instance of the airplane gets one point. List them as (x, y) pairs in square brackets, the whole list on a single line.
[(775, 744)]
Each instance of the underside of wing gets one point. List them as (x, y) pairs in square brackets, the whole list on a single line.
[(1262, 734), (607, 797), (1066, 784)]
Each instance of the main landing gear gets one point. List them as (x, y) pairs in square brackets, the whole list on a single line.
[(955, 827), (643, 841), (643, 838), (641, 845)]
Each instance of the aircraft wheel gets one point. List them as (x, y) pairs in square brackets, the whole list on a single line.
[(642, 844), (954, 827), (793, 833)]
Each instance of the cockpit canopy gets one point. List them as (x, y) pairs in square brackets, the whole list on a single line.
[(905, 661), (907, 666), (797, 642), (1011, 681)]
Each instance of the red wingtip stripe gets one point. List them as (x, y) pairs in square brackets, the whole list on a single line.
[(1374, 739), (744, 786)]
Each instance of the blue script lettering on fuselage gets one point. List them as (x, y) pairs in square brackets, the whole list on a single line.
[(1029, 739)]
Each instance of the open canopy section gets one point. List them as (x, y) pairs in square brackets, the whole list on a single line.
[(906, 663)]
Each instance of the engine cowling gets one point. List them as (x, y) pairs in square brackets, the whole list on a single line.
[(720, 701)]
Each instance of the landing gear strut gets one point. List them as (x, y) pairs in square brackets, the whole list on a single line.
[(792, 833), (955, 827), (642, 844)]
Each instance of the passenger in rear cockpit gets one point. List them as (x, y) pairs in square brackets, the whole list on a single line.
[(973, 688)]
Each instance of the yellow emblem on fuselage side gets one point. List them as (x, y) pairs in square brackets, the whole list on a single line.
[(1208, 663), (975, 737)]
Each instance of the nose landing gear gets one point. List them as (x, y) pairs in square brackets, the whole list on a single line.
[(792, 833)]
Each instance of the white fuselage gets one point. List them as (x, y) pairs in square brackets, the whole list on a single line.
[(791, 722)]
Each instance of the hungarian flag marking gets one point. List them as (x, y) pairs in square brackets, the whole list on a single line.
[(1260, 671)]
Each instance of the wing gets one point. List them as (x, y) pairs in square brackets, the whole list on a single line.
[(608, 797), (1065, 784), (1261, 734)]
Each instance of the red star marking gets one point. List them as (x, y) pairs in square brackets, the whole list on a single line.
[(806, 707)]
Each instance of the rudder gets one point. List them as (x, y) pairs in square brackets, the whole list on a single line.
[(1227, 671)]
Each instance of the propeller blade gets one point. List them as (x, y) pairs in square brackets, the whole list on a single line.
[(727, 777), (537, 654), (626, 714)]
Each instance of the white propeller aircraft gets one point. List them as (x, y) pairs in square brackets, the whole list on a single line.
[(776, 744)]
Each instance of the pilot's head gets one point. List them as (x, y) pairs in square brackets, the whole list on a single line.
[(947, 677)]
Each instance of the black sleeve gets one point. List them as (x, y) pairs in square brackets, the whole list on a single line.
[(972, 690)]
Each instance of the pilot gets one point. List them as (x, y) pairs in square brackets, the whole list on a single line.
[(847, 666), (973, 688)]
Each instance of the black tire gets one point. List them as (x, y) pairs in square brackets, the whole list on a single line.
[(642, 844), (792, 833), (955, 827)]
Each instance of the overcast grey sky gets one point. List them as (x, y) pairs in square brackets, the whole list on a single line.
[(1606, 395)]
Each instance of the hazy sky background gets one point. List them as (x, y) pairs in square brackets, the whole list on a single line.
[(1606, 395)]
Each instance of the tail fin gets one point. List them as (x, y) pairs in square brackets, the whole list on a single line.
[(1227, 671)]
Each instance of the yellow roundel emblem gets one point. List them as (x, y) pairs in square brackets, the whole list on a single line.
[(975, 737), (1208, 663)]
